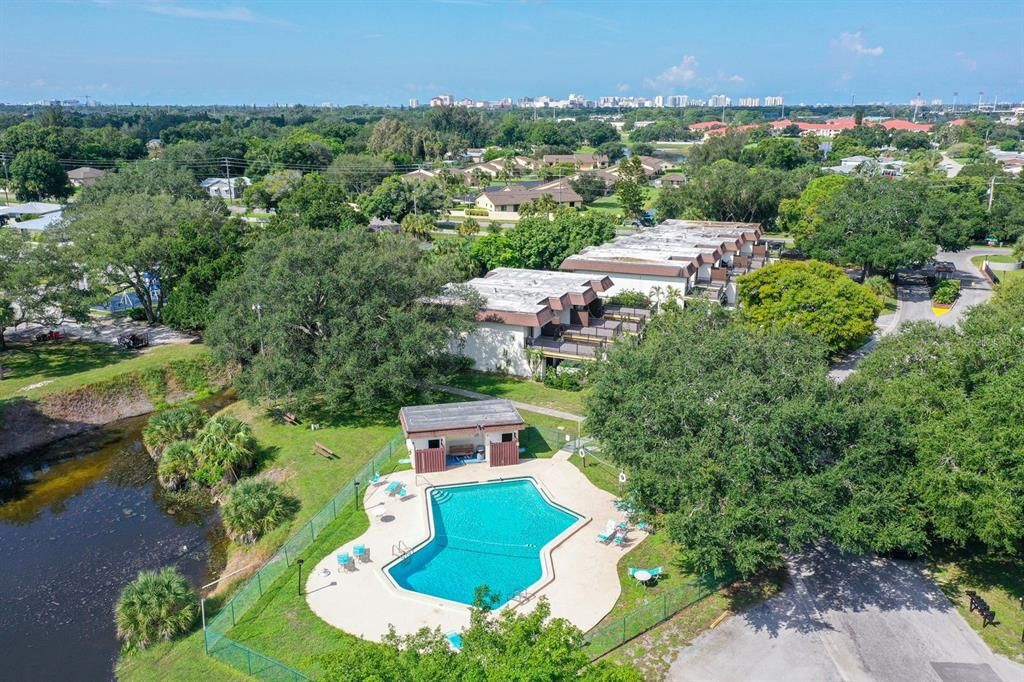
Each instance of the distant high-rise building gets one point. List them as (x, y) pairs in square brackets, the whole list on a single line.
[(917, 101), (720, 101), (678, 100), (441, 101), (936, 102), (659, 101), (414, 103), (773, 101), (750, 101)]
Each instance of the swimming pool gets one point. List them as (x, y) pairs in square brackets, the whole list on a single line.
[(484, 534)]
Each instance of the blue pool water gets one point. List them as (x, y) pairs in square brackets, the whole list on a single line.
[(484, 534)]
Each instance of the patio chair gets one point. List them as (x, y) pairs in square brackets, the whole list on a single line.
[(393, 488), (345, 562), (403, 493), (620, 539), (610, 531), (361, 553), (632, 571), (376, 479), (655, 572), (455, 639)]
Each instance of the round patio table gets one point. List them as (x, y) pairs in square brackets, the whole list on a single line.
[(643, 576)]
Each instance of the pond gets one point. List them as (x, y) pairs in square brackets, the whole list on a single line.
[(78, 520)]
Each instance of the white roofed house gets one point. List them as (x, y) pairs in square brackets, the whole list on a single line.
[(226, 188), (34, 216), (698, 259), (529, 320)]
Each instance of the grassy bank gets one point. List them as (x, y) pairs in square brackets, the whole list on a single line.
[(35, 370), (1000, 582), (522, 390)]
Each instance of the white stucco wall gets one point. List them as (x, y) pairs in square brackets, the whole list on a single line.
[(495, 347)]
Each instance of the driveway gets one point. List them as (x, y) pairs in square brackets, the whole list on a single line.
[(847, 618), (106, 330), (915, 305)]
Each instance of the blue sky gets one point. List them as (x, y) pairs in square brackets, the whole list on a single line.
[(247, 51)]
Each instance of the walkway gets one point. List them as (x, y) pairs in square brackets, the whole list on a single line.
[(551, 412), (365, 602), (106, 330), (850, 618)]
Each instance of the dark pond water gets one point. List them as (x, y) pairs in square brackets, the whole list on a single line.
[(78, 521)]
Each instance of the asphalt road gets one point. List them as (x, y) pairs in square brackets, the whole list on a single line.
[(847, 618), (915, 304)]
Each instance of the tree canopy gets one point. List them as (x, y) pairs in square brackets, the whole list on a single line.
[(540, 244), (335, 318), (814, 296), (37, 174)]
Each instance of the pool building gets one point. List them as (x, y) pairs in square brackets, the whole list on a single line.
[(451, 434)]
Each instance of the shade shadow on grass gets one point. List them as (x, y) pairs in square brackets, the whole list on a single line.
[(57, 359)]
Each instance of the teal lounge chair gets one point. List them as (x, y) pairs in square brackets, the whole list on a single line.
[(455, 639), (344, 562), (375, 479), (655, 572), (632, 571), (620, 539), (393, 487), (360, 553)]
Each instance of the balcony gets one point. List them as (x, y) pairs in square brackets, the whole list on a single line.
[(564, 349), (624, 314)]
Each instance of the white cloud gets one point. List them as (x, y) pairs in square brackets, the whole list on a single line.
[(622, 87), (683, 72), (237, 13), (854, 42), (736, 78), (38, 83)]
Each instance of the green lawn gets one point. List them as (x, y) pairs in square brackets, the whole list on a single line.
[(51, 367), (1000, 581), (314, 480), (610, 204), (1003, 275), (522, 390)]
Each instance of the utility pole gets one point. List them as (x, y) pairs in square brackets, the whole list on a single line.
[(980, 95), (227, 172), (991, 192)]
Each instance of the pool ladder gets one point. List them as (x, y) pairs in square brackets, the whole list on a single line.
[(521, 596), (400, 549)]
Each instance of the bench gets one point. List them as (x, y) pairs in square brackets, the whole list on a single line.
[(290, 418), (462, 450), (323, 451)]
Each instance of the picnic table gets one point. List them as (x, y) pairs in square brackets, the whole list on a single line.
[(643, 576)]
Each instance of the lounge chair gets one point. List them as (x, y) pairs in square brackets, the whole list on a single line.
[(345, 562), (376, 478), (393, 487), (610, 531), (361, 554), (403, 493), (655, 572), (455, 639), (632, 571), (620, 539)]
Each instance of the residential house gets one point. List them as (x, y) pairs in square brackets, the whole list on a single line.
[(85, 176), (580, 161), (694, 258), (507, 200), (671, 180), (452, 434), (705, 126), (653, 166), (226, 188), (533, 319), (420, 174), (34, 216)]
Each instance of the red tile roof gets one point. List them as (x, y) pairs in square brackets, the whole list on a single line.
[(707, 125), (899, 124)]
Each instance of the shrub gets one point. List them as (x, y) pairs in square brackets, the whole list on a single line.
[(177, 465), (477, 211), (880, 285), (156, 605), (630, 298), (224, 449), (946, 291), (175, 424), (254, 508), (469, 227), (565, 379)]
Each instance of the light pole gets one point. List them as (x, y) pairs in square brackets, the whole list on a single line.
[(300, 562), (258, 309)]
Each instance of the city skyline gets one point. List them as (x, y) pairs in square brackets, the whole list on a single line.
[(163, 52)]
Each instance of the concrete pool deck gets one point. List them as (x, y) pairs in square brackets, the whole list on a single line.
[(584, 584)]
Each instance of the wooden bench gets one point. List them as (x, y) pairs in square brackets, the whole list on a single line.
[(291, 418), (462, 450), (323, 451)]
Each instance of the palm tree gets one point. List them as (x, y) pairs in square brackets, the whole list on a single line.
[(156, 605), (225, 448), (254, 508), (177, 465), (179, 423), (420, 226)]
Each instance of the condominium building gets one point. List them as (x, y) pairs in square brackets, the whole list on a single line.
[(678, 101), (530, 320), (750, 101), (696, 259), (414, 103), (720, 101), (773, 101), (441, 101)]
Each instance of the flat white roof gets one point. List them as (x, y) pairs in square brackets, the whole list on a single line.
[(671, 241), (527, 291)]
